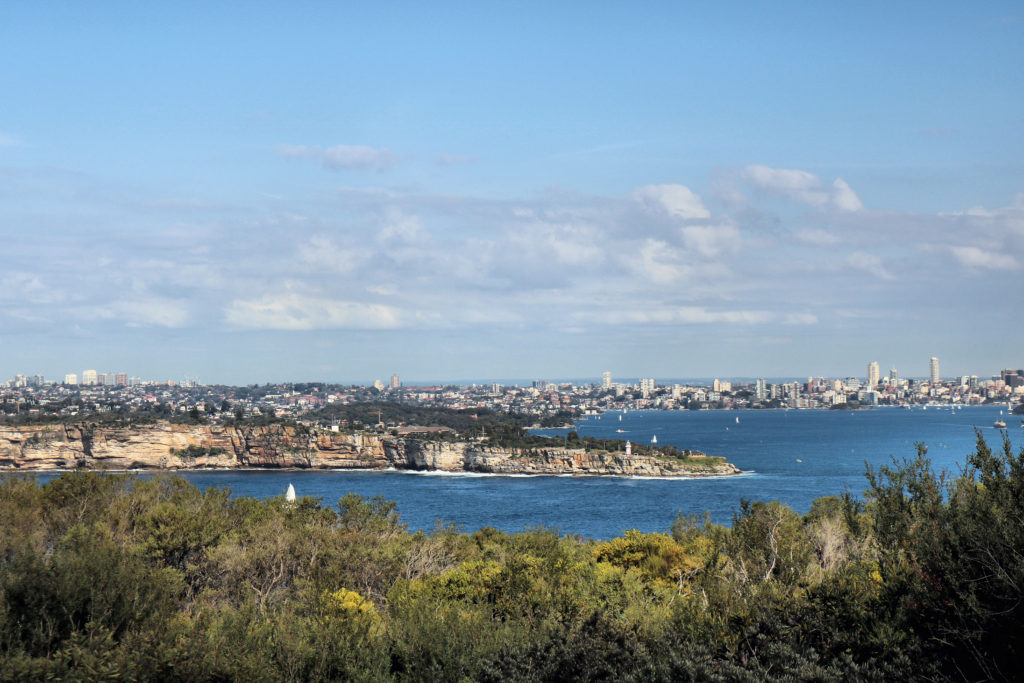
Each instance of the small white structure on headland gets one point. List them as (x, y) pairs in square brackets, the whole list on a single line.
[(629, 448), (290, 494)]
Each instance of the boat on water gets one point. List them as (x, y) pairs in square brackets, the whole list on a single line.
[(999, 424), (620, 431), (290, 494), (654, 439), (620, 418), (737, 420)]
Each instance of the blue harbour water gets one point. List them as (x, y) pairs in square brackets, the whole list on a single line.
[(791, 456)]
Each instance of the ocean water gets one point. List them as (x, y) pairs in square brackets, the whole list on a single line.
[(790, 456)]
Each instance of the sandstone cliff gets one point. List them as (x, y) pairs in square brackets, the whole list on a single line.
[(173, 446)]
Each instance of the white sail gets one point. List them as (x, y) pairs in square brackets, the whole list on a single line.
[(654, 439), (290, 494), (737, 420)]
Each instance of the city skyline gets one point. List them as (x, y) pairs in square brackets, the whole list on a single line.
[(345, 192), (607, 379)]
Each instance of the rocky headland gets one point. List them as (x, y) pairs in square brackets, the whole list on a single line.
[(167, 446)]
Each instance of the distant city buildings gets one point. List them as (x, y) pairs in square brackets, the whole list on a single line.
[(646, 387), (1012, 378), (107, 392)]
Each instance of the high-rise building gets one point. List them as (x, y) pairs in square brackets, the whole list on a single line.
[(933, 370), (716, 385), (873, 374), (89, 377), (894, 378), (121, 379), (646, 387), (760, 390), (71, 379), (378, 385), (606, 380), (395, 382)]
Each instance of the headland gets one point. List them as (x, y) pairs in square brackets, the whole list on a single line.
[(169, 446)]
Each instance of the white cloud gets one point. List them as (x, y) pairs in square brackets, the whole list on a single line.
[(359, 157), (401, 227), (676, 200), (570, 245), (349, 157), (320, 251), (844, 198), (868, 263), (817, 237), (658, 262), (974, 257), (800, 319), (293, 311), (711, 240), (803, 187), (25, 287), (143, 312), (682, 315)]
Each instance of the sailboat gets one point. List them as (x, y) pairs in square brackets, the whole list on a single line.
[(654, 439), (737, 420), (620, 418), (290, 494)]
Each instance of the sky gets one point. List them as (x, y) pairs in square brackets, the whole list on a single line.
[(337, 191)]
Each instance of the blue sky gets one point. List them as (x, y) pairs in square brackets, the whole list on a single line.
[(337, 191)]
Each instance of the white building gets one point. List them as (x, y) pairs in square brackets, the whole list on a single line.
[(71, 379), (933, 370), (873, 374), (606, 380), (89, 377)]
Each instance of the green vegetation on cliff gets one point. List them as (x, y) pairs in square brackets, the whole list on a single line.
[(468, 420), (109, 577)]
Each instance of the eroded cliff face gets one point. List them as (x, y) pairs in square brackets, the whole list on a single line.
[(173, 446)]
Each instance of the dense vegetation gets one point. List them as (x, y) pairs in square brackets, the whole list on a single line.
[(103, 577), (467, 420)]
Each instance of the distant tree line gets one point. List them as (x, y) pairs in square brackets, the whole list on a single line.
[(466, 420)]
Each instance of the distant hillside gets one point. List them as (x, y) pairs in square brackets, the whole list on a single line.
[(459, 420)]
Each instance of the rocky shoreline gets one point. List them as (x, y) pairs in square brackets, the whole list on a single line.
[(166, 446)]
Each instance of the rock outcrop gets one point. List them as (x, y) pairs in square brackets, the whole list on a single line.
[(174, 446)]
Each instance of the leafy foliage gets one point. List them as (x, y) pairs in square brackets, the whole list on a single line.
[(107, 576)]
